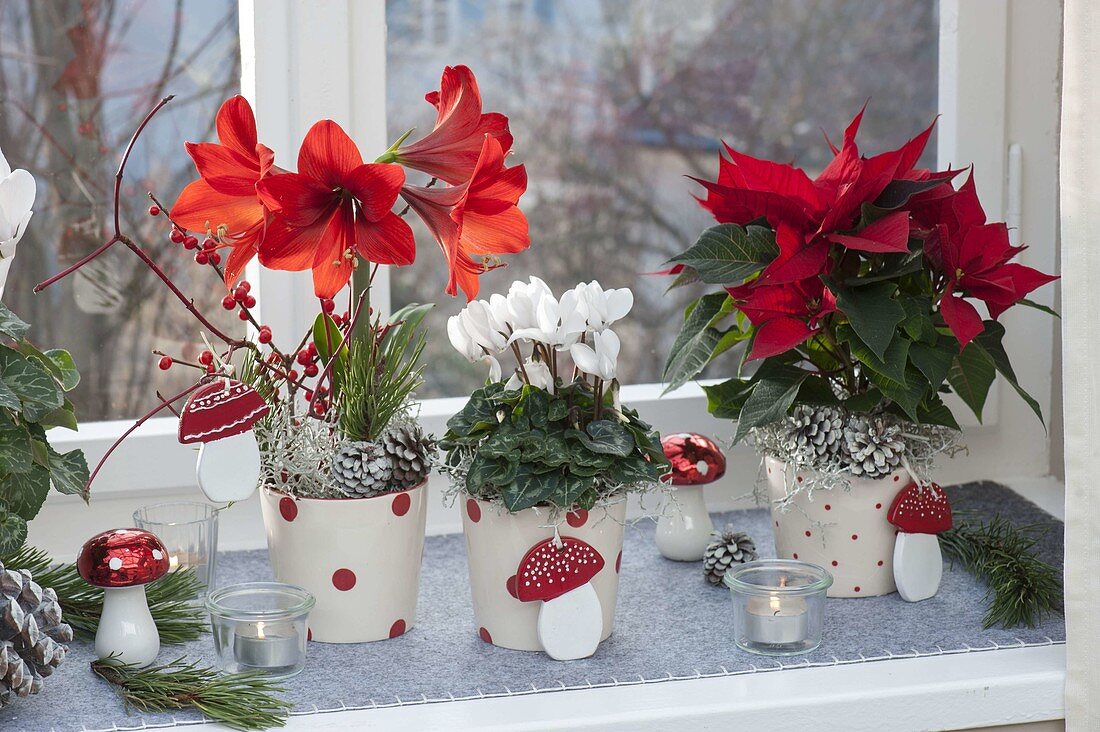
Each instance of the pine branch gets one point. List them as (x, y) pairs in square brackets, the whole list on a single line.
[(170, 598), (1021, 587), (243, 701)]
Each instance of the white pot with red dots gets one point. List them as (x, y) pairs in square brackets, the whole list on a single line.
[(497, 542), (359, 557), (846, 532)]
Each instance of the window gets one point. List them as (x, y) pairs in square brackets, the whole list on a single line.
[(75, 78), (612, 103)]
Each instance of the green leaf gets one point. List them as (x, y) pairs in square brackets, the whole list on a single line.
[(726, 399), (898, 265), (872, 311), (907, 395), (898, 192), (68, 471), (557, 410), (918, 324), (327, 337), (865, 402), (606, 437), (933, 362), (63, 416), (30, 381), (892, 366), (971, 375), (770, 400), (990, 340), (697, 340), (13, 531), (530, 488), (25, 493), (727, 254), (1039, 306), (687, 277), (11, 325), (15, 451), (934, 411), (816, 390), (8, 398), (65, 366)]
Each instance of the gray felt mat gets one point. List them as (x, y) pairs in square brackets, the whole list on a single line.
[(669, 624)]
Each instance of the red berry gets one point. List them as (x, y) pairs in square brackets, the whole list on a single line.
[(293, 375), (327, 305), (154, 210), (215, 258), (239, 293), (304, 357), (176, 236), (201, 258), (210, 369), (190, 242), (311, 370), (245, 285), (265, 334), (242, 314), (165, 363), (209, 244), (206, 358), (309, 395), (249, 301), (312, 348), (228, 302)]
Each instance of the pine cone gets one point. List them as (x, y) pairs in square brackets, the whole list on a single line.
[(361, 469), (815, 432), (410, 452), (729, 547), (874, 446), (31, 634)]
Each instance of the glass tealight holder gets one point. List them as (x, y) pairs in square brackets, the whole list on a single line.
[(260, 626), (189, 531), (778, 606)]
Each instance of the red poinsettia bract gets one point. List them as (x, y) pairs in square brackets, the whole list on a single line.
[(223, 201), (785, 315), (478, 218), (332, 211), (451, 150)]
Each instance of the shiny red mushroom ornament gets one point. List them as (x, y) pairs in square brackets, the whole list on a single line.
[(122, 562), (684, 527), (919, 513), (219, 416), (558, 572)]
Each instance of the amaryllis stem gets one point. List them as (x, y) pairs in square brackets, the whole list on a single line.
[(164, 403)]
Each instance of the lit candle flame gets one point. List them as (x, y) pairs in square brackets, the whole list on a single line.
[(260, 629)]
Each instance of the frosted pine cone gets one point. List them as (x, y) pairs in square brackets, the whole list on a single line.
[(31, 634), (410, 452), (874, 446), (361, 469), (815, 432), (729, 547)]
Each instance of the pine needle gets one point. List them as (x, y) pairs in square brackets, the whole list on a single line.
[(243, 701), (170, 598), (1021, 587)]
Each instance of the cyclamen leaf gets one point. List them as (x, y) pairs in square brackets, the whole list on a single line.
[(25, 493), (11, 325), (727, 254), (606, 437), (30, 381), (68, 471), (13, 531), (697, 340)]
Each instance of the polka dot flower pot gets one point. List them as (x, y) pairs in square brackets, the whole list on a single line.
[(359, 557), (846, 532), (496, 543)]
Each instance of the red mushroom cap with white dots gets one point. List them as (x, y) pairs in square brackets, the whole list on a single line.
[(548, 570), (918, 510), (122, 558), (696, 459), (222, 408)]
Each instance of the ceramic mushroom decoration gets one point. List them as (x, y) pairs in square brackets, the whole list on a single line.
[(683, 534), (557, 572), (219, 416), (919, 514), (122, 562)]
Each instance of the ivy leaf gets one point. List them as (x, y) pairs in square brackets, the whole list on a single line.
[(63, 416), (65, 367), (933, 362), (15, 451), (697, 340), (872, 311), (772, 396), (971, 375), (727, 254), (8, 398), (11, 325), (990, 340)]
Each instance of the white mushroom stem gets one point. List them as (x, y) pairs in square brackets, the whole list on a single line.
[(918, 566), (229, 468), (684, 528), (126, 627), (571, 624)]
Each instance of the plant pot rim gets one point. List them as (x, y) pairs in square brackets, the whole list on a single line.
[(388, 494)]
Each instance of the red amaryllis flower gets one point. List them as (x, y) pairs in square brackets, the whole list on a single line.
[(332, 211), (223, 202), (785, 315), (451, 150), (973, 257), (477, 218)]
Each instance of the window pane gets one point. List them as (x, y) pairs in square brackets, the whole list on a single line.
[(612, 103), (75, 79)]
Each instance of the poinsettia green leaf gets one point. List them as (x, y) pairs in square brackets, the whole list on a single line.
[(990, 340), (933, 361), (872, 311), (934, 411), (892, 366), (727, 254), (864, 402), (770, 399), (724, 400), (898, 192), (697, 339), (816, 390), (971, 375), (686, 277), (896, 266), (908, 395), (24, 493), (1039, 306), (11, 325)]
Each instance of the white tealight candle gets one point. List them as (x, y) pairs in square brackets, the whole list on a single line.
[(776, 620), (258, 645)]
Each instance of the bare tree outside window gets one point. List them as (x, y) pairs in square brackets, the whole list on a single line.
[(75, 77), (612, 103)]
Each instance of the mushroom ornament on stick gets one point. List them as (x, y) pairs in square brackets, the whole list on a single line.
[(122, 562), (684, 534), (558, 571), (220, 416), (919, 514)]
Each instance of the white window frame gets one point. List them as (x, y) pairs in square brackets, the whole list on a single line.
[(304, 60)]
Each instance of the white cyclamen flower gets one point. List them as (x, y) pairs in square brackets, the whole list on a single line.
[(538, 375), (557, 324), (475, 327), (599, 359), (523, 301), (604, 307), (16, 199)]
